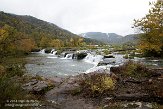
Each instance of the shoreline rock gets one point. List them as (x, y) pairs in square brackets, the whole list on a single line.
[(68, 93)]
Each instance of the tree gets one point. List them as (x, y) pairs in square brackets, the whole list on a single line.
[(56, 43), (7, 39), (13, 42), (26, 45), (151, 41), (44, 42)]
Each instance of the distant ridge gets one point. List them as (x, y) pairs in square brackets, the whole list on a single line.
[(112, 38)]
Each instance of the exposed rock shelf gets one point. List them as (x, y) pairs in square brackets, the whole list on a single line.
[(68, 92)]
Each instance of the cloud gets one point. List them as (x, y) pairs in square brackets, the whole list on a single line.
[(80, 16)]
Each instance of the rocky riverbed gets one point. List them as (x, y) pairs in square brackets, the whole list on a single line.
[(130, 86)]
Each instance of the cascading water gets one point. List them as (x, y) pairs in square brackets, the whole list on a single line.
[(53, 52), (94, 59), (69, 56), (42, 51)]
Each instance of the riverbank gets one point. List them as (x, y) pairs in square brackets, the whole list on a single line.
[(131, 85)]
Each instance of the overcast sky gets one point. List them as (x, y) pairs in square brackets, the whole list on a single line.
[(79, 16)]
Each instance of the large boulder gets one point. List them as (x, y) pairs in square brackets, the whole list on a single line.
[(81, 55), (106, 62), (109, 56), (48, 50)]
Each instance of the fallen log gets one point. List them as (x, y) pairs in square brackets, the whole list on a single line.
[(139, 97)]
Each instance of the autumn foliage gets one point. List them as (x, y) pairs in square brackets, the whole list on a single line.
[(151, 41), (13, 42)]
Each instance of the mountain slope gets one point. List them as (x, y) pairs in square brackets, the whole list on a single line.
[(37, 28), (29, 25), (112, 38)]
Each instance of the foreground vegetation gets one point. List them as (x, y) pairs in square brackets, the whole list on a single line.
[(10, 81)]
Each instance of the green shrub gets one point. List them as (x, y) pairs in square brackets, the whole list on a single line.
[(134, 69), (14, 70), (97, 84), (106, 52)]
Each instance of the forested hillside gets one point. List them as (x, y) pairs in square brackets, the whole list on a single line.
[(31, 33), (31, 25)]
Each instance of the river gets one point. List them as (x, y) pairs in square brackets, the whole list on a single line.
[(49, 65)]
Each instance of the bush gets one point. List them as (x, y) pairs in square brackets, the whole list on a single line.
[(134, 69), (106, 52), (10, 90), (97, 84), (14, 70)]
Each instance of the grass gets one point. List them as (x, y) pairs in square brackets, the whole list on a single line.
[(11, 71), (10, 90)]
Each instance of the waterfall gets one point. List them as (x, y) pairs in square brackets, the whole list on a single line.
[(42, 51), (69, 56), (99, 69), (94, 59), (53, 52)]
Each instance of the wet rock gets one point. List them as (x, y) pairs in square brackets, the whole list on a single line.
[(109, 56), (106, 62), (80, 56), (48, 50), (37, 86)]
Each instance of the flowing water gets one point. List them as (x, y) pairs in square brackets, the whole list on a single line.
[(49, 65)]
